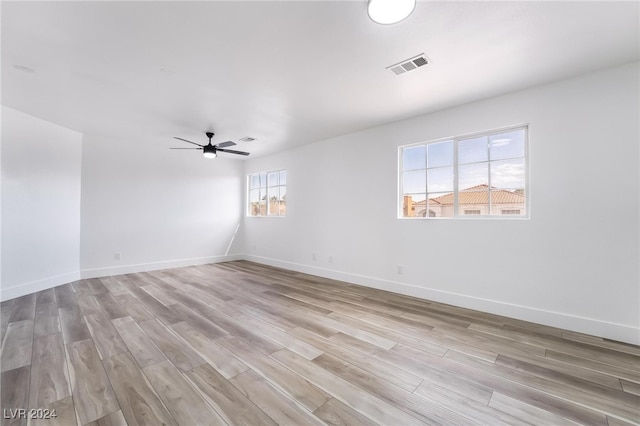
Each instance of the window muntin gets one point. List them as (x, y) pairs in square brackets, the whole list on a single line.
[(267, 193), (484, 173)]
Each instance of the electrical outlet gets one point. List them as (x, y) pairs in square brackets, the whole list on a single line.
[(116, 256), (330, 259), (313, 256), (400, 269)]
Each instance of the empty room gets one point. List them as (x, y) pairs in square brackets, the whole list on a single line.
[(359, 212)]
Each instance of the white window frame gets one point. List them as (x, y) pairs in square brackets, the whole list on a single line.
[(266, 189), (458, 211)]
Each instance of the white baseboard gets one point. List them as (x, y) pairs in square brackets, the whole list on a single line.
[(609, 330), (45, 283), (38, 285), (154, 266)]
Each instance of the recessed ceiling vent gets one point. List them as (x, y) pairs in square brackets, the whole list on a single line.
[(247, 139), (409, 64)]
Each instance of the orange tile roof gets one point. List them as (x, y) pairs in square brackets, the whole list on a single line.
[(479, 194)]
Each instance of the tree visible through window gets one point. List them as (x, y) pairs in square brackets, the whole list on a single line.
[(268, 193), (483, 175)]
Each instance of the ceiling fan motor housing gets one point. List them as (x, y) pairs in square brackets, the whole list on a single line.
[(209, 150)]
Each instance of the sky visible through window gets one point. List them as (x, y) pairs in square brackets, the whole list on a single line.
[(268, 193), (490, 171)]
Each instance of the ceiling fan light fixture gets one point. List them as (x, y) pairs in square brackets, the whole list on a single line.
[(209, 151), (388, 12)]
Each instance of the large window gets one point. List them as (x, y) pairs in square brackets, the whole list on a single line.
[(471, 176), (267, 193)]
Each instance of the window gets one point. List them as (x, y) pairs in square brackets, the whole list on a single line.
[(479, 175), (267, 193)]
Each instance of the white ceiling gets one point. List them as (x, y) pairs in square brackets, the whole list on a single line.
[(287, 72)]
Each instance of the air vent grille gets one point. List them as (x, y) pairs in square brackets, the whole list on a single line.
[(420, 61), (409, 64), (247, 139)]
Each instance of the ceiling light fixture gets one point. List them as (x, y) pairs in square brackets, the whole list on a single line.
[(209, 151), (390, 11)]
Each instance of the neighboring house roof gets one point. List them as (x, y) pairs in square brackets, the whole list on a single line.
[(479, 194)]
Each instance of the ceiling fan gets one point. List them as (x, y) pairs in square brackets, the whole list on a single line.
[(209, 150)]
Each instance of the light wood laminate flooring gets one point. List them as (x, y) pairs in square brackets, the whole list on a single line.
[(240, 343)]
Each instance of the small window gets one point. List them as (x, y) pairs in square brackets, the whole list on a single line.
[(267, 193), (480, 175)]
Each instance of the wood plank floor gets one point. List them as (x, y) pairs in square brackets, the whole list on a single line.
[(245, 344)]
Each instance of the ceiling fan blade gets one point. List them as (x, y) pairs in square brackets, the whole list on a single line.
[(225, 144), (199, 149), (231, 151), (184, 140)]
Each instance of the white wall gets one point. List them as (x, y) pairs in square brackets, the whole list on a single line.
[(155, 207), (574, 264), (41, 164)]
